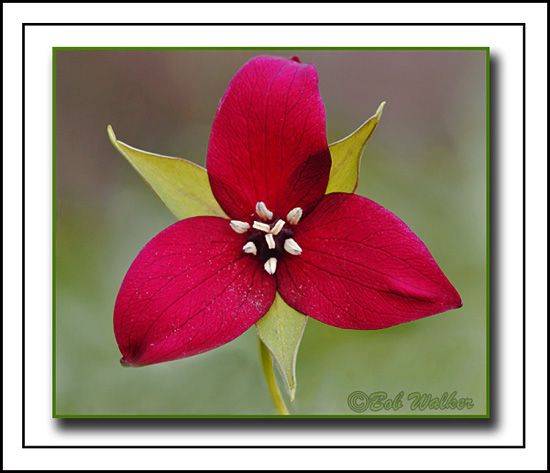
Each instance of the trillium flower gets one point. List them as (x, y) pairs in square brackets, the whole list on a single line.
[(338, 257)]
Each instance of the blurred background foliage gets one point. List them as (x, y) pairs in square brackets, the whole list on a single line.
[(426, 162)]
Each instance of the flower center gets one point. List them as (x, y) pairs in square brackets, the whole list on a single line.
[(270, 236)]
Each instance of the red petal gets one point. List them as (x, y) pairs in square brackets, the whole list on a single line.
[(361, 267), (191, 289), (268, 141)]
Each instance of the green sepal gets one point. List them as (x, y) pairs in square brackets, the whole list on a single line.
[(346, 156), (181, 185), (281, 330)]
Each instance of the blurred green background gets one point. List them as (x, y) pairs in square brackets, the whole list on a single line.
[(426, 162)]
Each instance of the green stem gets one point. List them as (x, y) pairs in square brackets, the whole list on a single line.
[(267, 365)]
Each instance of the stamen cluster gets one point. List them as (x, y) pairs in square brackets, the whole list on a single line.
[(270, 237)]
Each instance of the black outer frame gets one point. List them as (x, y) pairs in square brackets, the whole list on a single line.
[(230, 424)]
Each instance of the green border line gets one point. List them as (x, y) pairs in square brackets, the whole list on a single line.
[(54, 258), (488, 231), (267, 416), (270, 48), (267, 48)]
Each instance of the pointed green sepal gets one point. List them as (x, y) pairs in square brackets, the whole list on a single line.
[(346, 156), (181, 185), (281, 330)]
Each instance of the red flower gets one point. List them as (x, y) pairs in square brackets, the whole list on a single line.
[(339, 258)]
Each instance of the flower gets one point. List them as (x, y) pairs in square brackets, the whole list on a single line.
[(339, 258)]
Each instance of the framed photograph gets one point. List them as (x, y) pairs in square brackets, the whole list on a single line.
[(264, 232)]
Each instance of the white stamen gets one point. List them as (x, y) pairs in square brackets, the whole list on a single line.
[(264, 227), (271, 265), (262, 211), (292, 247), (270, 241), (277, 227), (239, 227), (294, 216), (250, 248)]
